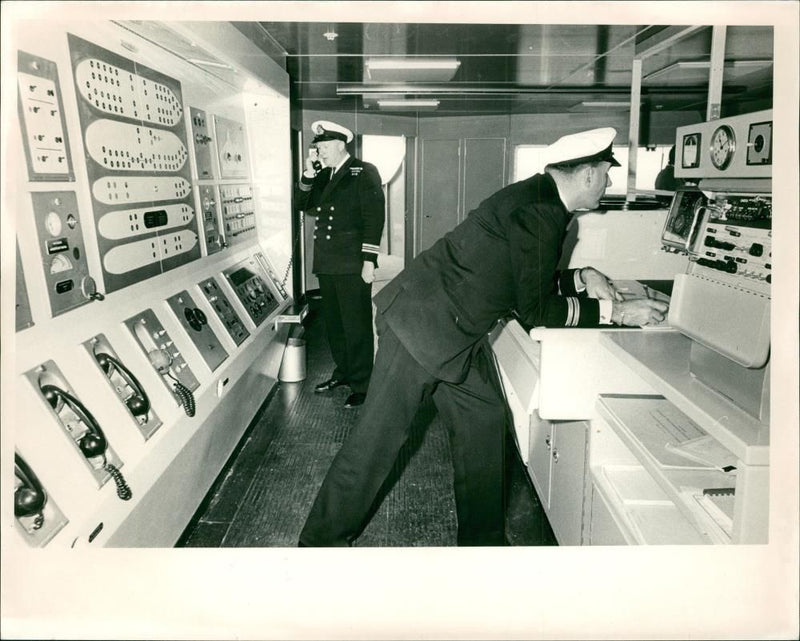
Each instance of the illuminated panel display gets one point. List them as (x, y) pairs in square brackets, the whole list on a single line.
[(137, 160)]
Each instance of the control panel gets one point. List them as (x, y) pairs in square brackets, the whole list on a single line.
[(725, 227), (194, 321), (238, 212), (202, 140), (247, 281), (59, 228), (280, 286), (132, 121), (735, 241), (209, 207), (225, 312), (118, 188)]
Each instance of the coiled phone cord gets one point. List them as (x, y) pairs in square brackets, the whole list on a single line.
[(185, 394), (123, 490)]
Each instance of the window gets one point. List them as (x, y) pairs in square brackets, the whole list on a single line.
[(528, 160)]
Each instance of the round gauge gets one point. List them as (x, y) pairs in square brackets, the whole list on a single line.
[(53, 223), (723, 144)]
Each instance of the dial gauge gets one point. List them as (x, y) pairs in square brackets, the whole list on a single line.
[(723, 145), (59, 264), (53, 223)]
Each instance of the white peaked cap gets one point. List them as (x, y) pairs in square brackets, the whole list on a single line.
[(326, 130), (583, 147)]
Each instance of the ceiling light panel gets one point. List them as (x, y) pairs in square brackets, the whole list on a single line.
[(410, 69)]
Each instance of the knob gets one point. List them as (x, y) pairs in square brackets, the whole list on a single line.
[(756, 249), (555, 456), (89, 289)]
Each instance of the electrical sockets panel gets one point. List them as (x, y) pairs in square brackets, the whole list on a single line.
[(201, 140), (231, 148), (194, 321), (58, 225), (42, 116), (219, 302)]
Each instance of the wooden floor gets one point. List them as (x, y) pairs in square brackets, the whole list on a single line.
[(262, 497)]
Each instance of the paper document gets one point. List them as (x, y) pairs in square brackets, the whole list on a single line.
[(706, 450), (656, 424)]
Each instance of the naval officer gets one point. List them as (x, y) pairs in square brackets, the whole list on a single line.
[(345, 196), (433, 323)]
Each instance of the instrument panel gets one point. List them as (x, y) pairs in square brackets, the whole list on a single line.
[(735, 147)]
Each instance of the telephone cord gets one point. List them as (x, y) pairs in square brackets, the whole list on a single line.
[(185, 395), (123, 490)]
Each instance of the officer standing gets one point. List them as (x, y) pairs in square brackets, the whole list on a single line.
[(433, 323), (345, 196)]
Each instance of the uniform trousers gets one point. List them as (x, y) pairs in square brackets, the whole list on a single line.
[(347, 310), (474, 415)]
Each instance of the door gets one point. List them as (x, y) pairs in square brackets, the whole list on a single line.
[(439, 190), (539, 457), (484, 170), (567, 481)]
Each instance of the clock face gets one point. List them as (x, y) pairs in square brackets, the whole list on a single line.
[(723, 144)]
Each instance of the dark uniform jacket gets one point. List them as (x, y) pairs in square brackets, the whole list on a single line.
[(502, 260), (349, 211)]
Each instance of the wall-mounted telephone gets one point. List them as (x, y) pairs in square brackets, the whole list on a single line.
[(161, 359), (29, 495), (92, 442), (138, 402)]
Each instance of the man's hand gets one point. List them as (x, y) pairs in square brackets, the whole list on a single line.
[(598, 285), (639, 312), (368, 272)]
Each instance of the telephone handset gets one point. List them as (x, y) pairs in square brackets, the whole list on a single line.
[(138, 402), (29, 496), (161, 359), (93, 442)]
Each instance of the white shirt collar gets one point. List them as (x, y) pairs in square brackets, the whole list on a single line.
[(343, 161)]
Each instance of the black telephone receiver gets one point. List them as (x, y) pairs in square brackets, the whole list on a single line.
[(138, 403), (93, 442), (314, 155), (29, 496)]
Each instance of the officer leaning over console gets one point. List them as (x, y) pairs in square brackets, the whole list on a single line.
[(433, 323), (345, 196)]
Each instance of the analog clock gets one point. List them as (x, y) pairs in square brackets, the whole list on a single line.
[(723, 144)]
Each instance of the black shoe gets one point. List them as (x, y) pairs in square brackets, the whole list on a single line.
[(328, 385), (355, 399)]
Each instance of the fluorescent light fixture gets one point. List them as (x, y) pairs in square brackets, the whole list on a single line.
[(414, 64), (601, 105), (209, 63), (410, 69), (408, 104)]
